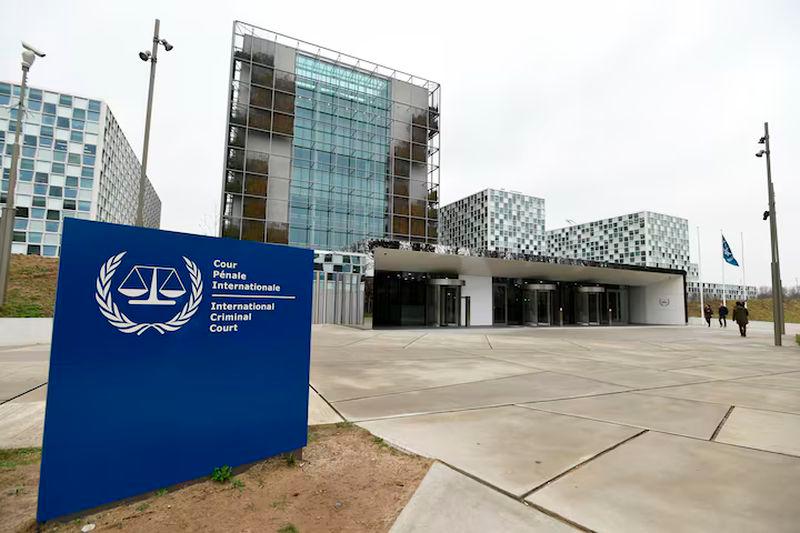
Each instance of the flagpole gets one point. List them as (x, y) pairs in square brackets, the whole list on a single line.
[(699, 271), (724, 301), (744, 280)]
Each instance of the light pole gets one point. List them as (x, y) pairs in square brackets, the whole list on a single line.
[(7, 222), (777, 291), (152, 57)]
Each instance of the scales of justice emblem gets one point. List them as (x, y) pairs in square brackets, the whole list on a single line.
[(148, 286), (153, 281)]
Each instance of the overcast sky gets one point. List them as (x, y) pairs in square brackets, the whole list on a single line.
[(601, 108)]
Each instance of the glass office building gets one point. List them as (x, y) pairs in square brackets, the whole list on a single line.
[(74, 162), (323, 149)]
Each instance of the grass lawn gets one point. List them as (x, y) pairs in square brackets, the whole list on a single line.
[(760, 309), (31, 287)]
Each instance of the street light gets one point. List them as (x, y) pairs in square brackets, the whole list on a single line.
[(152, 57), (777, 291), (29, 55)]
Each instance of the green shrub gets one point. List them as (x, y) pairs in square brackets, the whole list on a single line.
[(221, 474)]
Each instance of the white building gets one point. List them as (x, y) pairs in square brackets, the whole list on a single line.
[(718, 290), (495, 220), (74, 162), (644, 239)]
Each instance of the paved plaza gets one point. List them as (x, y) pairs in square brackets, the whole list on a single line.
[(606, 429)]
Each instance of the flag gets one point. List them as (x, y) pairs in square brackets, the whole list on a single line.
[(727, 254)]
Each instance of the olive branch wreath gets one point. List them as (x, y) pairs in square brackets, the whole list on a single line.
[(120, 320)]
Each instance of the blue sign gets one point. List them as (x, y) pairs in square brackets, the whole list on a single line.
[(172, 354)]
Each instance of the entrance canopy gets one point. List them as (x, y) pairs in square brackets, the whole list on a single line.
[(394, 260)]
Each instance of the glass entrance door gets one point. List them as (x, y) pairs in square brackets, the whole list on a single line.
[(543, 308), (449, 306), (614, 307), (594, 308), (530, 307), (499, 304), (588, 307)]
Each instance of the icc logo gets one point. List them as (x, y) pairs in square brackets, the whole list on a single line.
[(147, 285)]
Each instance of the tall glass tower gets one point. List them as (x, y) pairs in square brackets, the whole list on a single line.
[(324, 149)]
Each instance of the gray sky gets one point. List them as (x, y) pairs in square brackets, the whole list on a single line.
[(602, 108)]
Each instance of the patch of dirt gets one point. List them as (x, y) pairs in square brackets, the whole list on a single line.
[(348, 480), (19, 487)]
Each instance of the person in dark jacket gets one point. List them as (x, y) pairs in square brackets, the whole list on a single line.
[(723, 316), (708, 313), (740, 314)]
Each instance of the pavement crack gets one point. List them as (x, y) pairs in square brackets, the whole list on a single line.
[(520, 499), (582, 463), (335, 410), (23, 393), (722, 423), (413, 341)]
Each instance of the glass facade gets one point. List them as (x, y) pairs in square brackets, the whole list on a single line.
[(341, 138), (66, 158), (324, 150)]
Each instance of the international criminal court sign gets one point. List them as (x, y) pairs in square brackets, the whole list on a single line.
[(172, 354)]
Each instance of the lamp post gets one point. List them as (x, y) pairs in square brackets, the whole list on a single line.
[(777, 291), (29, 55), (152, 57)]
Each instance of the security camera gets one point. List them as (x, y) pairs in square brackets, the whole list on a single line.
[(144, 56), (761, 153), (766, 215), (30, 48), (762, 140)]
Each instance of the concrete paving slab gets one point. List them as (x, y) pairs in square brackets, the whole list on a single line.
[(25, 354), (720, 371), (642, 359), (18, 377), (357, 353), (331, 335), (763, 430), (643, 378), (342, 381), (38, 394), (788, 381), (558, 363), (735, 393), (319, 412), (21, 424), (658, 482), (453, 340), (512, 448), (388, 339), (449, 501), (537, 386), (683, 417)]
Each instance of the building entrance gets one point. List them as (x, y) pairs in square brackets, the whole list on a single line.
[(539, 304), (447, 301), (449, 306), (499, 304), (588, 300)]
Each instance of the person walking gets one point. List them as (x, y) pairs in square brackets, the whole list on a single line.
[(723, 316), (708, 313), (740, 314)]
